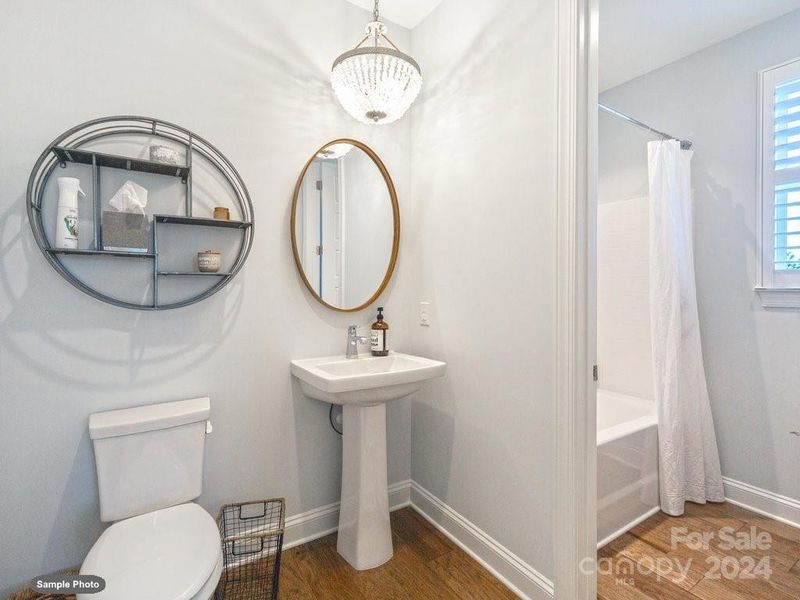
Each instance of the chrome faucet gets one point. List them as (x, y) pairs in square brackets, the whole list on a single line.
[(353, 340)]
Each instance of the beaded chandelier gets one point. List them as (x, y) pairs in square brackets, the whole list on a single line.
[(375, 82)]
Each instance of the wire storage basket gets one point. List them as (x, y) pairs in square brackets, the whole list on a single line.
[(252, 540)]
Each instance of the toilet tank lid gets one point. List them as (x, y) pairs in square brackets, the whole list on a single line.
[(148, 418)]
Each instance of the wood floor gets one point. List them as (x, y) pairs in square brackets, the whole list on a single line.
[(425, 565), (664, 558), (660, 561)]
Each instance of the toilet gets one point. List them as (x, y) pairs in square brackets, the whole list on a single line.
[(149, 469)]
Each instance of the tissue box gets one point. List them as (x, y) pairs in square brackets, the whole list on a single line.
[(125, 232)]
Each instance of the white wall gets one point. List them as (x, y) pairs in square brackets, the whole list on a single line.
[(252, 77), (750, 353), (638, 37), (482, 213), (624, 354)]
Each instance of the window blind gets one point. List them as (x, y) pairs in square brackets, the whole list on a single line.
[(786, 167)]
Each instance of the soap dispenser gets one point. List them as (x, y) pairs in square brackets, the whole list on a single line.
[(380, 336)]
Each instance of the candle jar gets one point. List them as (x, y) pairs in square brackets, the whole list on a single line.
[(209, 261)]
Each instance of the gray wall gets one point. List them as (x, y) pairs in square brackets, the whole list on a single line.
[(750, 353), (482, 213), (252, 77), (623, 296)]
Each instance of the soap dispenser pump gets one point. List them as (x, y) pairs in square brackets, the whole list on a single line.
[(379, 341)]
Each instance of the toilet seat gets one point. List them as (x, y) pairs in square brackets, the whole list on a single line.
[(168, 554)]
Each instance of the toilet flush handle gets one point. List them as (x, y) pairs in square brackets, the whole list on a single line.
[(209, 428)]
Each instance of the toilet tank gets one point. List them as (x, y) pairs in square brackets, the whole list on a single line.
[(149, 457)]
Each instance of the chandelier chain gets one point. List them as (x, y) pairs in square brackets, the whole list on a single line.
[(375, 12)]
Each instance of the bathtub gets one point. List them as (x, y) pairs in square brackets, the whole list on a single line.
[(627, 463)]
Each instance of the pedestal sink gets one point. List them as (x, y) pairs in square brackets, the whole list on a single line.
[(363, 386)]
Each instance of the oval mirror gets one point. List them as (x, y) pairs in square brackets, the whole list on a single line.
[(345, 225)]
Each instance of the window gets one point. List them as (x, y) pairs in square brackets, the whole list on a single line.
[(779, 176)]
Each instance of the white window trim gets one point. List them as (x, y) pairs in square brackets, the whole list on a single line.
[(780, 290)]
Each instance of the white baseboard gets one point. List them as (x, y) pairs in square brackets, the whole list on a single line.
[(319, 522), (512, 571), (769, 504), (623, 530)]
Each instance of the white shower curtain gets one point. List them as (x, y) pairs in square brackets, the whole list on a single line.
[(688, 458)]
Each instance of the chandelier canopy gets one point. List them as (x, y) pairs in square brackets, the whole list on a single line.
[(375, 82)]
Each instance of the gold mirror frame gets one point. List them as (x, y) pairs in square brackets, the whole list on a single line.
[(395, 214)]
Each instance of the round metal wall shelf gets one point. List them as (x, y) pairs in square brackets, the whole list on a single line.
[(74, 146)]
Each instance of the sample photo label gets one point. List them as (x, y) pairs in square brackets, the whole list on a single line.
[(69, 584)]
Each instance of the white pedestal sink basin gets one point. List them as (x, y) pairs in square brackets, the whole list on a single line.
[(363, 386)]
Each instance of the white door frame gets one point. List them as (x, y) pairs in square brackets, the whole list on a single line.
[(575, 523)]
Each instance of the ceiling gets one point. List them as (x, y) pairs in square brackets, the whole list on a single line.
[(638, 36), (408, 13)]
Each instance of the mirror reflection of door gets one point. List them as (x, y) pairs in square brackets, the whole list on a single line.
[(321, 229), (344, 226)]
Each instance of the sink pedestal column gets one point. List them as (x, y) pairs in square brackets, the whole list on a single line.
[(365, 536)]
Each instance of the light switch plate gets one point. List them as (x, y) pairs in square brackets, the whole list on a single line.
[(424, 314)]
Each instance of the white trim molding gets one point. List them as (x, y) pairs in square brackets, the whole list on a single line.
[(776, 289), (575, 522), (781, 508), (779, 297), (319, 522), (626, 528), (517, 575), (513, 572)]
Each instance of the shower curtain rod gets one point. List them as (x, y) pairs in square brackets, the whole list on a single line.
[(685, 144)]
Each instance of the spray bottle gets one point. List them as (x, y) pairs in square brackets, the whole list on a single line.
[(67, 213)]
